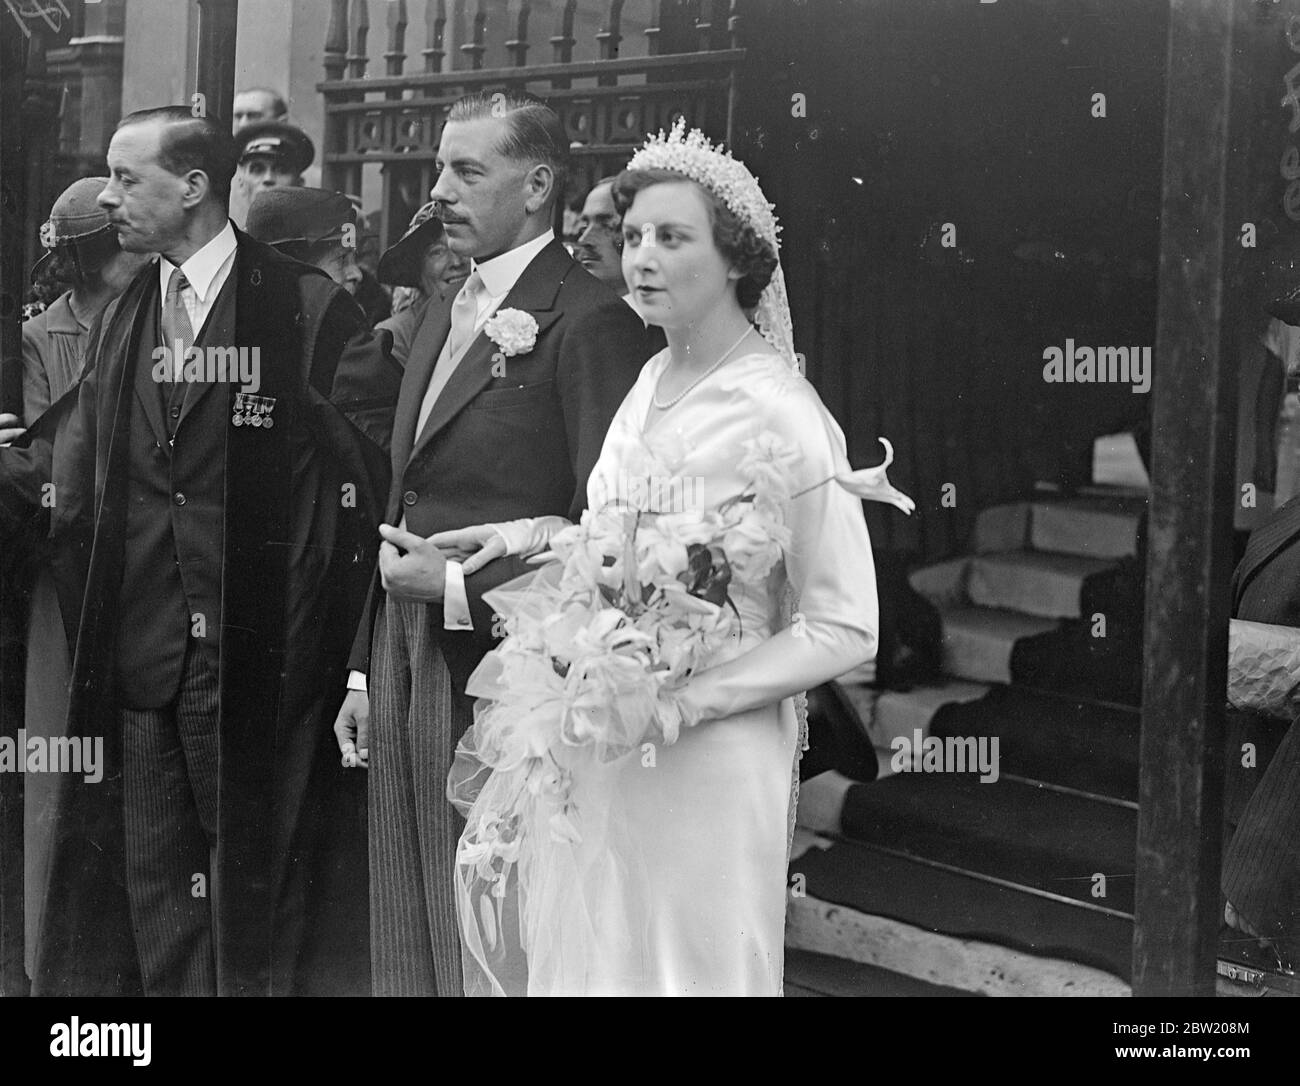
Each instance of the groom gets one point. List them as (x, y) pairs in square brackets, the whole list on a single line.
[(491, 425)]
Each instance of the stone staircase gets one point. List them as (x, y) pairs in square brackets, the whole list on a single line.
[(1021, 877), (1019, 880)]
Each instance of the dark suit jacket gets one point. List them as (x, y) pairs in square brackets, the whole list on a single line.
[(1261, 867), (514, 438)]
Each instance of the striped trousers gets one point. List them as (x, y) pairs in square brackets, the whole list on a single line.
[(170, 815), (415, 724), (1261, 867)]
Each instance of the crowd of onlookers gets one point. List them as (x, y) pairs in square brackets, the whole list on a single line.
[(84, 268)]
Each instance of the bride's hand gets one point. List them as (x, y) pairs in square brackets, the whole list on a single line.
[(473, 547)]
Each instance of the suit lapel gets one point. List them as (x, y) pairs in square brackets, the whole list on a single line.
[(425, 349), (1265, 542), (146, 392), (534, 292)]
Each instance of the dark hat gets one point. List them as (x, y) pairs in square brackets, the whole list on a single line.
[(287, 142), (76, 219), (298, 214), (400, 265)]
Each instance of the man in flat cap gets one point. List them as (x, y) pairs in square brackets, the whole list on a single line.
[(271, 154), (217, 494), (315, 226)]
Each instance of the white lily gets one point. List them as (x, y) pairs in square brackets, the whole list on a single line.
[(870, 484)]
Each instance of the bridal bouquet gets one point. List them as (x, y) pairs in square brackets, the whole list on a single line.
[(629, 603)]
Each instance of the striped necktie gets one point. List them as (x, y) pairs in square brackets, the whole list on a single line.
[(176, 319), (176, 327)]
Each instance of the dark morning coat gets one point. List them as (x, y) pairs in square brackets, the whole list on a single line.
[(1261, 865), (517, 442), (301, 504)]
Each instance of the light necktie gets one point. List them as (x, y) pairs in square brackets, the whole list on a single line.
[(463, 311)]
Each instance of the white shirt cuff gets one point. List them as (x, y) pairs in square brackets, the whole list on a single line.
[(357, 681), (455, 602)]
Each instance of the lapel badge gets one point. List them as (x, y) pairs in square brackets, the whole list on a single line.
[(253, 410)]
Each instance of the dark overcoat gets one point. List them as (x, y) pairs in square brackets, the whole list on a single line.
[(302, 501)]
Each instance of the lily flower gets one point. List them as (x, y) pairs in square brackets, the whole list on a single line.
[(870, 484)]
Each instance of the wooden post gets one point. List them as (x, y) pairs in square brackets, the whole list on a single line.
[(215, 77), (1189, 538), (13, 280)]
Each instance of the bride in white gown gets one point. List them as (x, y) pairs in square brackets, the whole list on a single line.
[(678, 884)]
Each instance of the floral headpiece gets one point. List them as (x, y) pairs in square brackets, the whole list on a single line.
[(693, 155)]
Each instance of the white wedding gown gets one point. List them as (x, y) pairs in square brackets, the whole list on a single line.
[(679, 885)]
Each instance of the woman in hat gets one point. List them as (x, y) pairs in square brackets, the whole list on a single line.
[(315, 226), (421, 263), (82, 249)]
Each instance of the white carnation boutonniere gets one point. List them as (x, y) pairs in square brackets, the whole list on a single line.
[(512, 330)]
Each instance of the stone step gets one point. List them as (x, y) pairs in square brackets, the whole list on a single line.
[(1093, 527), (894, 884), (1061, 742), (1059, 845), (1101, 522), (978, 642), (810, 973), (1035, 582), (818, 930), (1116, 462), (903, 712)]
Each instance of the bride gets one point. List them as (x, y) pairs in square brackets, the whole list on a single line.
[(674, 882)]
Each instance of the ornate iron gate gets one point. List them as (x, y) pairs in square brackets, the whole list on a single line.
[(608, 105)]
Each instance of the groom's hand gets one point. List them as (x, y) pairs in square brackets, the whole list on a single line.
[(352, 730), (411, 567)]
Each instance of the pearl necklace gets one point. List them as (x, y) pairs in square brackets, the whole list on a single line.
[(654, 396)]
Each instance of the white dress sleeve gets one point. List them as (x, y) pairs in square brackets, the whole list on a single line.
[(830, 568), (529, 535)]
